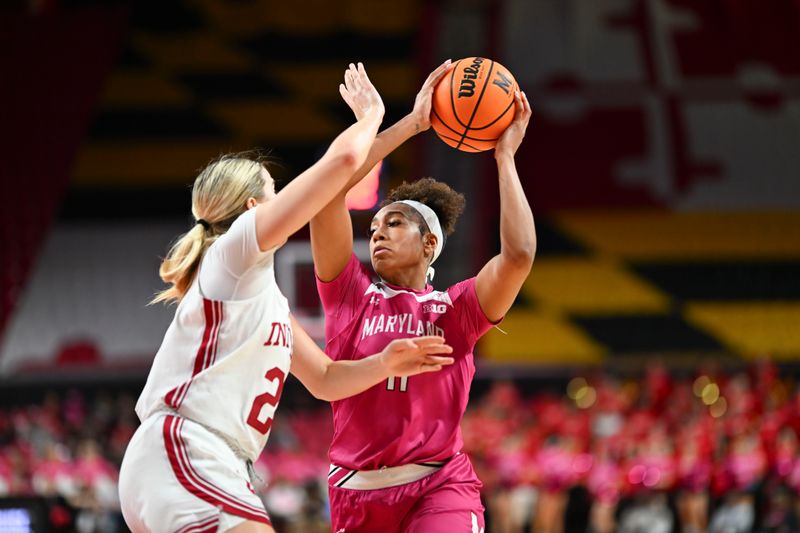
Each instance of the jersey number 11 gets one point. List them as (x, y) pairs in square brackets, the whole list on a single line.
[(390, 384)]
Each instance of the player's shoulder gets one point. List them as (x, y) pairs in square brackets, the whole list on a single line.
[(461, 288), (353, 271), (242, 226), (461, 285)]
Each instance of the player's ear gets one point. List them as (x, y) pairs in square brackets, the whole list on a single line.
[(250, 203), (430, 243)]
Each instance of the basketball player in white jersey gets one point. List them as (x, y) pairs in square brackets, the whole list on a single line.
[(211, 395)]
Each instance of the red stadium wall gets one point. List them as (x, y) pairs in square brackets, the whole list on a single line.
[(53, 68), (678, 103)]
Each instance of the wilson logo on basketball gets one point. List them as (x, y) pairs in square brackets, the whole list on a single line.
[(467, 87)]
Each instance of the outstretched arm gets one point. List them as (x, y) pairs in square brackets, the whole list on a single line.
[(500, 280), (331, 228), (333, 380), (309, 192)]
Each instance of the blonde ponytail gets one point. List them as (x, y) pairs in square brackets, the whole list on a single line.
[(219, 196), (180, 266)]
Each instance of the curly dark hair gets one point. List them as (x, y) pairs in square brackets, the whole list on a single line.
[(445, 202)]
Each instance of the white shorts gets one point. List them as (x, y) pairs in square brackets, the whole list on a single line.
[(178, 477)]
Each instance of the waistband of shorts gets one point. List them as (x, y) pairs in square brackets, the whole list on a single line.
[(255, 479), (339, 476), (231, 443)]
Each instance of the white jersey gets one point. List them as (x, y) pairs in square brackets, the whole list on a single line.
[(226, 354)]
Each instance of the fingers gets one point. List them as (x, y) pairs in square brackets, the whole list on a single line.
[(525, 101), (356, 77), (428, 345), (363, 74), (438, 73), (357, 82), (522, 108), (436, 360), (351, 78), (526, 105), (435, 364), (410, 356), (437, 348), (425, 345), (426, 340), (518, 103)]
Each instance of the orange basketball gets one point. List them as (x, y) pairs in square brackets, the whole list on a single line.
[(473, 104)]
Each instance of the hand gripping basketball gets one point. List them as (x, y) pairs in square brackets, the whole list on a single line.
[(408, 357), (511, 138), (422, 103)]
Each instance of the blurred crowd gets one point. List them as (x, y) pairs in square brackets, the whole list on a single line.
[(659, 452), (67, 449)]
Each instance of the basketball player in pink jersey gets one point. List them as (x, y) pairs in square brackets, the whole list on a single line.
[(211, 395), (396, 457)]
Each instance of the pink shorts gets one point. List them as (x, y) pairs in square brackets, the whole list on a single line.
[(446, 501)]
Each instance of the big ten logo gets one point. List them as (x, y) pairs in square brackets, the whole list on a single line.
[(467, 86), (280, 335), (434, 308)]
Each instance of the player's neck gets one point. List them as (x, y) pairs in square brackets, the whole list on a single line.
[(407, 279)]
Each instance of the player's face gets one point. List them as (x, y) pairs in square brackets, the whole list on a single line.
[(396, 242), (269, 193), (269, 185)]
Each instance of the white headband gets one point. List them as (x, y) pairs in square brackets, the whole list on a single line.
[(433, 224)]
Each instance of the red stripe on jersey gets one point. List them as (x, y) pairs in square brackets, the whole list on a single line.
[(201, 526), (215, 344), (212, 311), (196, 484)]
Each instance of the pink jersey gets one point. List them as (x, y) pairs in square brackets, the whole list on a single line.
[(402, 420)]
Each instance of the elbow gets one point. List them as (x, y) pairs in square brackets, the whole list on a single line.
[(325, 396), (323, 388), (319, 392), (323, 385), (319, 395), (521, 257), (347, 160)]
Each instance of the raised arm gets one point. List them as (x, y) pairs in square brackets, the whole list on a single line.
[(333, 380), (500, 280), (331, 228), (309, 192)]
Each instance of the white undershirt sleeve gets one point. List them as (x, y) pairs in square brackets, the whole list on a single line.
[(233, 268)]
